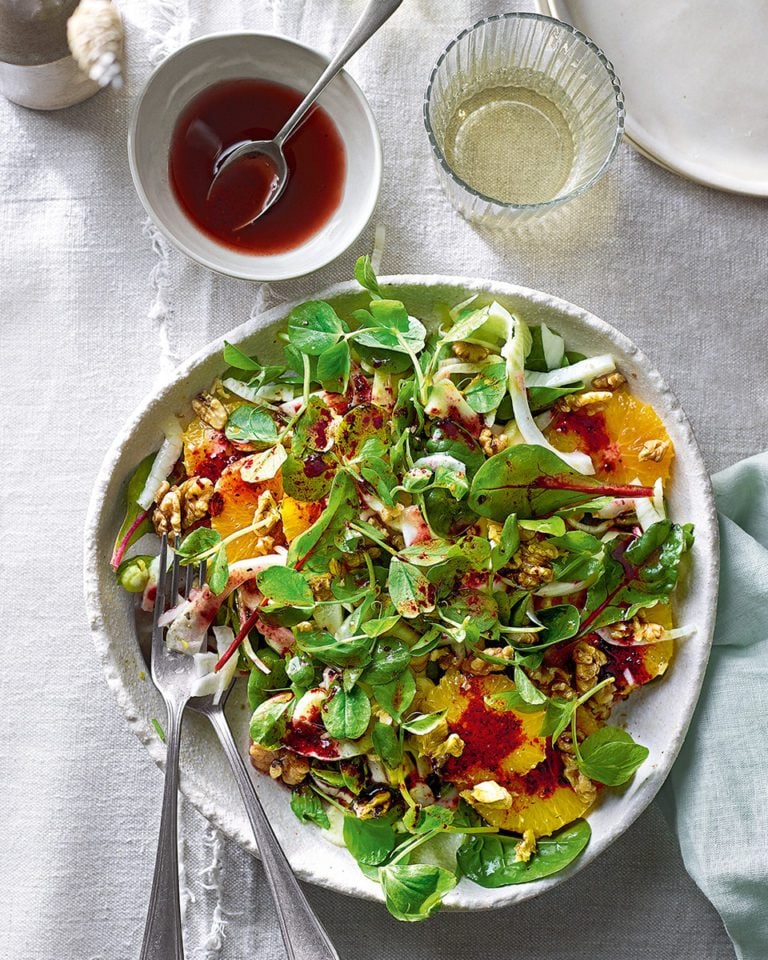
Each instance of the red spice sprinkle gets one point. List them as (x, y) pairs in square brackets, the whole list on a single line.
[(621, 659), (489, 737), (546, 777), (592, 433)]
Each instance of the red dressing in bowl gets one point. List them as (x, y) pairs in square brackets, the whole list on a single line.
[(219, 119)]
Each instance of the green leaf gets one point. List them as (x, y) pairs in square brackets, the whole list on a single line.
[(388, 325), (361, 424), (529, 693), (557, 717), (490, 859), (132, 510), (366, 276), (268, 721), (338, 510), (542, 398), (390, 657), (509, 541), (421, 820), (379, 625), (248, 424), (234, 357), (512, 700), (197, 543), (308, 477), (414, 891), (218, 571), (562, 623), (260, 683), (610, 756), (369, 841), (488, 388), (411, 592), (530, 481), (300, 671), (285, 586), (452, 439), (422, 723), (396, 695), (333, 366), (346, 714), (308, 807), (555, 526), (313, 327), (387, 744), (322, 646)]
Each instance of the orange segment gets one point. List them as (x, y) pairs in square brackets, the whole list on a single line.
[(497, 742), (206, 451), (542, 814), (298, 516), (619, 439), (232, 508)]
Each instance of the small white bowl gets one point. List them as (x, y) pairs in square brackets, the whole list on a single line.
[(228, 56)]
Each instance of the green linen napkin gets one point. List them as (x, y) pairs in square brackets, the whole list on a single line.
[(716, 797)]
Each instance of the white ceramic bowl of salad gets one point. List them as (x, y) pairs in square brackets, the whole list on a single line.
[(657, 718)]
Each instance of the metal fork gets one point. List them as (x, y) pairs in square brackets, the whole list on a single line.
[(303, 934), (173, 674)]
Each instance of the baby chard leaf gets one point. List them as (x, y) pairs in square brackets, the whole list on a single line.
[(532, 482), (131, 531), (490, 860)]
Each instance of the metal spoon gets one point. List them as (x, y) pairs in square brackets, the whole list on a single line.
[(374, 16)]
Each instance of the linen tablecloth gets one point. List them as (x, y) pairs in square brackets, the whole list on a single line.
[(96, 307)]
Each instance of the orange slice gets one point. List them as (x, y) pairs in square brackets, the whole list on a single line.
[(298, 516), (232, 508), (497, 742), (206, 451), (618, 438)]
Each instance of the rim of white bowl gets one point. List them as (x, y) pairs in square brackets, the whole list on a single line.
[(255, 276)]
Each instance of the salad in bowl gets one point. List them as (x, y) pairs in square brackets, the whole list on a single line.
[(442, 559)]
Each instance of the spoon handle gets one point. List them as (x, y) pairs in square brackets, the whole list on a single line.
[(374, 16)]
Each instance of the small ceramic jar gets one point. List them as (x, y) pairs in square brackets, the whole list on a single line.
[(36, 67)]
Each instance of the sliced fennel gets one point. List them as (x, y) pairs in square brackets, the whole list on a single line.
[(514, 352), (585, 370), (553, 346), (164, 462)]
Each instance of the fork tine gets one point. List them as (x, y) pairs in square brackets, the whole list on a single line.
[(188, 580), (175, 574), (201, 573), (157, 632)]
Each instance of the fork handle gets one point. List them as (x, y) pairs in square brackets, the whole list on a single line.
[(162, 933), (303, 934)]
